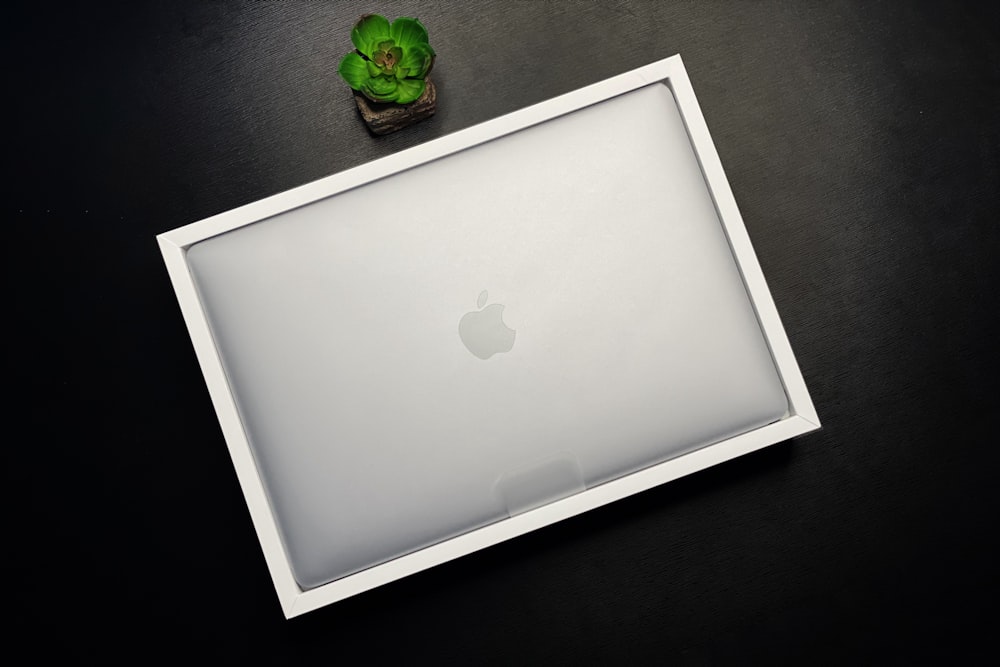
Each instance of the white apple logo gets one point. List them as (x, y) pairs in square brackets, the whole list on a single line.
[(483, 330)]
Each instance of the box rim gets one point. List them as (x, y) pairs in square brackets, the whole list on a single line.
[(801, 417)]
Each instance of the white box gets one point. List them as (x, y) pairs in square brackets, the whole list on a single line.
[(294, 601)]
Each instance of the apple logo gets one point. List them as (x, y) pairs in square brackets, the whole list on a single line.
[(483, 330)]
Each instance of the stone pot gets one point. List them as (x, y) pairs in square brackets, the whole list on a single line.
[(386, 117)]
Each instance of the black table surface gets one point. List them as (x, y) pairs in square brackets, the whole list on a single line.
[(861, 142)]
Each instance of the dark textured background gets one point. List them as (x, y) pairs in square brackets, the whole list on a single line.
[(861, 141)]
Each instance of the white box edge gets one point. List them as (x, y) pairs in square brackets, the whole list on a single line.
[(802, 417)]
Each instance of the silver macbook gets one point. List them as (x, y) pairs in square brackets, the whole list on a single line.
[(465, 341)]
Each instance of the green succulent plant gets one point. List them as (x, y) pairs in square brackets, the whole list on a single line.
[(391, 61)]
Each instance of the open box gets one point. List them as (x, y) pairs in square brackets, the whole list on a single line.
[(243, 275)]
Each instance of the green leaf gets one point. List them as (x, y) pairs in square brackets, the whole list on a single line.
[(354, 69), (408, 32), (410, 90), (418, 60), (369, 29), (381, 89), (373, 69)]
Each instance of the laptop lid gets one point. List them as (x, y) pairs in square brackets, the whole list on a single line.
[(457, 343)]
